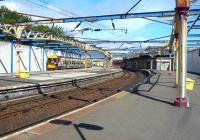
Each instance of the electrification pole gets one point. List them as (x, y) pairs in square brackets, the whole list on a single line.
[(182, 8)]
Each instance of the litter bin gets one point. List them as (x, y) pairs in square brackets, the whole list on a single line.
[(24, 74), (189, 84)]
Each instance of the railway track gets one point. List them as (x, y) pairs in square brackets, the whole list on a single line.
[(15, 116)]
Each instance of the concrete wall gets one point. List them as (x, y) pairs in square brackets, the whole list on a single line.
[(164, 63), (193, 61), (32, 58)]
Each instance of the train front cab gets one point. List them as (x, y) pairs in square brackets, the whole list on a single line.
[(52, 62)]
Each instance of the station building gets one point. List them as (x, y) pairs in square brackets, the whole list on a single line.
[(193, 61)]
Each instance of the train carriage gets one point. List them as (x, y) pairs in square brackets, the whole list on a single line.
[(60, 62)]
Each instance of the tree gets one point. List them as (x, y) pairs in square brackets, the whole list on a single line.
[(9, 17)]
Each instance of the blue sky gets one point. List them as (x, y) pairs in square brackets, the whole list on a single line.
[(138, 29)]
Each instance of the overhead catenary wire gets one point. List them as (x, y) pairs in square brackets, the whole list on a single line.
[(47, 7), (144, 17), (96, 30), (77, 37), (72, 13), (25, 14), (148, 40), (158, 38), (157, 21)]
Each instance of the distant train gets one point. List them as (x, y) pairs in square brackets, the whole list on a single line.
[(141, 62), (60, 62), (145, 61)]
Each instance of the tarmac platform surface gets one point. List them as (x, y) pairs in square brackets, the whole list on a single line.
[(37, 77), (146, 113)]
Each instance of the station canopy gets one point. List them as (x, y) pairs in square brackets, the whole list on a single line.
[(124, 27)]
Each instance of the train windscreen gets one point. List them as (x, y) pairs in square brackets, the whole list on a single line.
[(52, 60)]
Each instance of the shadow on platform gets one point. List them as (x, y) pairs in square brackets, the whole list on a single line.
[(78, 126), (165, 85), (138, 92)]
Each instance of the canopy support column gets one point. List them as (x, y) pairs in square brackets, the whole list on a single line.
[(182, 8)]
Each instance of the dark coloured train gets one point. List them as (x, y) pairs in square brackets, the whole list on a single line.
[(141, 62), (145, 61)]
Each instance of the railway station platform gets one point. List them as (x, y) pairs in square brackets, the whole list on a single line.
[(12, 87), (36, 77), (146, 112)]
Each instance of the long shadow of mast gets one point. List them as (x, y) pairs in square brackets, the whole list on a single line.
[(78, 126)]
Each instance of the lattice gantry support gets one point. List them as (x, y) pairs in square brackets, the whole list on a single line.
[(20, 32), (182, 8)]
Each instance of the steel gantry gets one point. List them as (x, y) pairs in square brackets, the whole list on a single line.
[(20, 27), (20, 31), (111, 17)]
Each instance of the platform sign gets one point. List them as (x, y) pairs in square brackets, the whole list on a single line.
[(19, 48)]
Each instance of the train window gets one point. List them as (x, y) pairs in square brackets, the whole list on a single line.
[(52, 60), (62, 61)]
